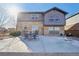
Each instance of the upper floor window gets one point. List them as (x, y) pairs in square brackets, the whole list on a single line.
[(34, 17), (54, 19), (51, 19), (25, 27)]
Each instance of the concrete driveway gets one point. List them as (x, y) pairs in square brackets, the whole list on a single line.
[(49, 44)]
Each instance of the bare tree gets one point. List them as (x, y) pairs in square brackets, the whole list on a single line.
[(4, 19)]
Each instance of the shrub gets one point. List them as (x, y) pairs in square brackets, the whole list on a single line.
[(16, 33)]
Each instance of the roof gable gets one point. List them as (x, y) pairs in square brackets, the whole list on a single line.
[(55, 8)]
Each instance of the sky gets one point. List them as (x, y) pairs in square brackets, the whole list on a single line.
[(71, 8)]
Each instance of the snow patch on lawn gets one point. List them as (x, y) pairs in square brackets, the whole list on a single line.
[(13, 45)]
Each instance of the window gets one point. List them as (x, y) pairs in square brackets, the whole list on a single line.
[(34, 17), (54, 19), (51, 19), (25, 27)]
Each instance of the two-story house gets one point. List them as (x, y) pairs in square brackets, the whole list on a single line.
[(51, 22)]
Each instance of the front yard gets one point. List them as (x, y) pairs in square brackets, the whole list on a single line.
[(44, 44)]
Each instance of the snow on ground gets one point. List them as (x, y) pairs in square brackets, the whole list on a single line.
[(13, 45), (48, 44), (74, 42), (44, 44)]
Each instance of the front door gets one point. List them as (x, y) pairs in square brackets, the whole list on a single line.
[(35, 27)]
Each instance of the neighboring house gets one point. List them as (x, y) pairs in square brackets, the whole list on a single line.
[(51, 22), (11, 30), (3, 31), (72, 25)]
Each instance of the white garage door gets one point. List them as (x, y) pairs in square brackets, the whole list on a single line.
[(54, 30)]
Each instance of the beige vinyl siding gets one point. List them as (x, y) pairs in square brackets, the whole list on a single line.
[(57, 18)]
